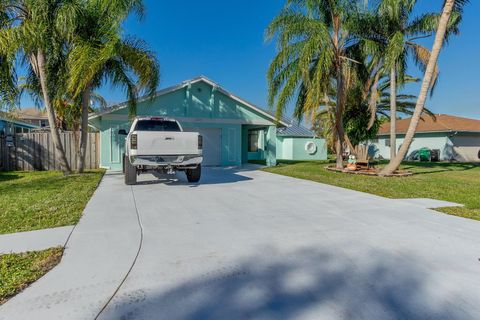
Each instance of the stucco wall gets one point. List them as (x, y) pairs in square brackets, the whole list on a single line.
[(466, 147), (293, 148), (422, 140)]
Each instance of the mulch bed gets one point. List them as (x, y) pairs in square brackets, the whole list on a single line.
[(370, 172)]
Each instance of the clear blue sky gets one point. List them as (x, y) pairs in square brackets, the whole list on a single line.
[(224, 40)]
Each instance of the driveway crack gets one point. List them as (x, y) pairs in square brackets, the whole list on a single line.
[(133, 262)]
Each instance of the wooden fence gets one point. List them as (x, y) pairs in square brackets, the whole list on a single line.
[(35, 151)]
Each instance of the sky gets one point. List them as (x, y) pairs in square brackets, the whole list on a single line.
[(224, 40)]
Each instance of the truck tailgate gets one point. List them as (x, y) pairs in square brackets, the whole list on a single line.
[(167, 143)]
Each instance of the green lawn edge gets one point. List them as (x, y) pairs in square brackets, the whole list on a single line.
[(44, 199), (19, 270)]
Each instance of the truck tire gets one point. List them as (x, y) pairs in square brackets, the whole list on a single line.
[(123, 162), (193, 175), (130, 172)]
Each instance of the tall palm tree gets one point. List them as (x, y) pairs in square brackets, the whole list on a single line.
[(394, 29), (100, 54), (315, 46), (36, 32), (449, 7)]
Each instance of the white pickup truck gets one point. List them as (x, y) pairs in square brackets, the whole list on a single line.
[(159, 144)]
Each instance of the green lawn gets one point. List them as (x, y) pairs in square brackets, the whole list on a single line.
[(453, 182), (17, 271), (43, 199)]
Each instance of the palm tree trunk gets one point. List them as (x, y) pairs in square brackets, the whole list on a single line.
[(393, 112), (57, 143), (427, 79), (84, 128), (339, 119)]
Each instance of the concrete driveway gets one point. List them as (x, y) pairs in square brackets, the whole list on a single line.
[(252, 245)]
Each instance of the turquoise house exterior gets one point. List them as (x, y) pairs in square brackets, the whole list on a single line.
[(234, 130)]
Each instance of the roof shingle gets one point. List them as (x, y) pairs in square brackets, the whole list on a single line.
[(441, 123)]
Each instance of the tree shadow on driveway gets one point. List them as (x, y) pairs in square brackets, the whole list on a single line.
[(304, 284)]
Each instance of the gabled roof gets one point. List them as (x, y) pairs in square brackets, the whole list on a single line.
[(441, 123), (183, 85)]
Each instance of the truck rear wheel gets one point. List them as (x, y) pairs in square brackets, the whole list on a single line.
[(193, 175), (130, 172)]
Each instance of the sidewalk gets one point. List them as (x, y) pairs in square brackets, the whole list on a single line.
[(97, 257), (34, 240)]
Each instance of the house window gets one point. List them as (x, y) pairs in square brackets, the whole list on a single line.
[(253, 141), (375, 140), (387, 142)]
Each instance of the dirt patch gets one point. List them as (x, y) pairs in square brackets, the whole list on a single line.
[(370, 172)]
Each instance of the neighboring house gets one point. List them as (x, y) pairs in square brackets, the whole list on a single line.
[(233, 129), (33, 116), (455, 138), (11, 126)]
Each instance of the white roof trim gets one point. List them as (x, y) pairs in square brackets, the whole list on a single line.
[(184, 84)]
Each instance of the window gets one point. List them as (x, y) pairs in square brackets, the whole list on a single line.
[(387, 142), (157, 125), (43, 123), (253, 141), (375, 140)]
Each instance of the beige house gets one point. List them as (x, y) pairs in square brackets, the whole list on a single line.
[(33, 116)]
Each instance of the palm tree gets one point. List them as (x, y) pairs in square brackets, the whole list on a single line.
[(35, 32), (449, 7), (315, 52), (395, 30), (100, 54)]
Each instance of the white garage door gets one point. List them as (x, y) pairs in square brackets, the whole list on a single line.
[(211, 145)]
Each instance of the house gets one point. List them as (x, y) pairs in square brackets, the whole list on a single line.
[(454, 138), (10, 126), (33, 116), (234, 130)]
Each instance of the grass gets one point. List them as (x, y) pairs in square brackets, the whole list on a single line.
[(43, 199), (455, 182), (19, 270)]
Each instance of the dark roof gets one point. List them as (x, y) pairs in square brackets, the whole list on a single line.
[(441, 123), (294, 129)]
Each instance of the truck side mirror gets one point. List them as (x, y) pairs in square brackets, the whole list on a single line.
[(122, 132)]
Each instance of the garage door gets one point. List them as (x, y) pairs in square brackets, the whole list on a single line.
[(466, 148), (211, 145)]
